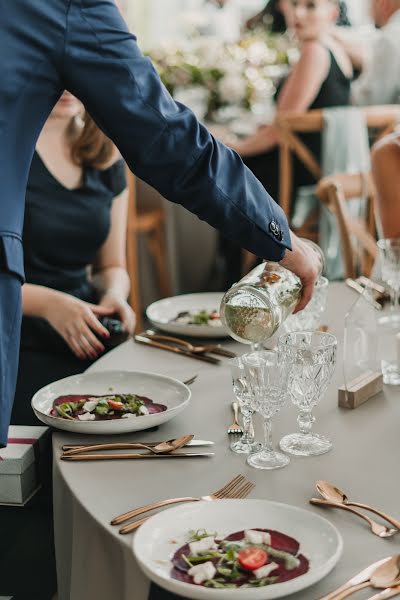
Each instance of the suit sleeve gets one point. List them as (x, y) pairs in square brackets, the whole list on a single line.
[(161, 140)]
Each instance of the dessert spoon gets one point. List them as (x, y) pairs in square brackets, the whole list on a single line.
[(333, 494), (384, 576)]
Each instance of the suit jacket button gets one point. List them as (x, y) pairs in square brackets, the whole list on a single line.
[(274, 228)]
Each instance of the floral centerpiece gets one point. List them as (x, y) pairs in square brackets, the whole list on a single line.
[(207, 74)]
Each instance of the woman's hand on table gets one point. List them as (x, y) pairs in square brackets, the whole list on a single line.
[(120, 307), (78, 323)]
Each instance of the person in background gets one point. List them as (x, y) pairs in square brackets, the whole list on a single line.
[(379, 62), (274, 16), (386, 172), (320, 79), (74, 248)]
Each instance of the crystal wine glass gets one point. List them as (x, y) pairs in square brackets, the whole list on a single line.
[(268, 390), (246, 444), (390, 260), (310, 358)]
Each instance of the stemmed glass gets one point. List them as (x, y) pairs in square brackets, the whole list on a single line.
[(310, 358), (390, 260), (267, 385), (246, 444), (309, 319)]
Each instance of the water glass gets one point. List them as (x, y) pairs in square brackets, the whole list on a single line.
[(246, 444), (389, 250), (310, 358), (267, 385), (309, 319)]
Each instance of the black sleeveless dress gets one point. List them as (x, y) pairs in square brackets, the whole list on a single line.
[(335, 91), (63, 231)]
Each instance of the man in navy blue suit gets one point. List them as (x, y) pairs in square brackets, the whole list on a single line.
[(84, 46)]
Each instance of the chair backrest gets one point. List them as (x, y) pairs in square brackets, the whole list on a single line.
[(132, 251), (382, 119), (357, 237)]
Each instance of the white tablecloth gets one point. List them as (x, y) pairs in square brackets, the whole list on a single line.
[(95, 563)]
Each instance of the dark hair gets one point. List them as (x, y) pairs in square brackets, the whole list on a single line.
[(90, 147), (343, 20), (274, 15)]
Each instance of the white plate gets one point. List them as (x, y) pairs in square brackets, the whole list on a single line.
[(161, 312), (163, 390), (158, 539)]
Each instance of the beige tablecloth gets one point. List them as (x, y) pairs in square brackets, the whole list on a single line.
[(95, 563)]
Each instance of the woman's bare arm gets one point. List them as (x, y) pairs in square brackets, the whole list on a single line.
[(298, 93)]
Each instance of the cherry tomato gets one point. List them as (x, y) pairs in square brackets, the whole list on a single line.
[(252, 558), (115, 405)]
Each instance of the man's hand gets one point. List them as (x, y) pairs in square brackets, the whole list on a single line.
[(305, 263)]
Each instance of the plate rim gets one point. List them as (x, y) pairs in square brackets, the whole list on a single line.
[(111, 422), (180, 587)]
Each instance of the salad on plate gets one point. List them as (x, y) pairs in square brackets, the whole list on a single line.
[(88, 407), (244, 559), (198, 317)]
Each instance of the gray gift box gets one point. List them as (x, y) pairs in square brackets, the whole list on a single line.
[(19, 464)]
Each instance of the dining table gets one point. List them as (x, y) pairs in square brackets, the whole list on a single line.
[(95, 562)]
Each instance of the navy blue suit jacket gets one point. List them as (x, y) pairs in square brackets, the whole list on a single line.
[(84, 46)]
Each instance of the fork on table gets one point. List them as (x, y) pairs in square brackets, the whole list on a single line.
[(235, 427), (239, 487)]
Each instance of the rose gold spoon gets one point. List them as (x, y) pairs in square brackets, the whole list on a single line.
[(332, 493)]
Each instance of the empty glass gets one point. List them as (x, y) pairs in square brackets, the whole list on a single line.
[(267, 385), (390, 263), (310, 358), (246, 444)]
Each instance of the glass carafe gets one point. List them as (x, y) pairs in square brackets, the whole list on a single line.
[(253, 309)]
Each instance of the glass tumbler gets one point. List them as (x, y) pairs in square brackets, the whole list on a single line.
[(310, 358)]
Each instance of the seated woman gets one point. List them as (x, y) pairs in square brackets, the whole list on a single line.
[(74, 243), (320, 79), (386, 172)]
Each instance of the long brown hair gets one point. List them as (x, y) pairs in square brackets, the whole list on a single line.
[(90, 147)]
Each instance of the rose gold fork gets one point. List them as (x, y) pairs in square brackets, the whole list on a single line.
[(235, 427), (239, 487)]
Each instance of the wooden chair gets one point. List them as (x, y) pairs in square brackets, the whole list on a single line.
[(358, 240), (382, 119), (151, 224)]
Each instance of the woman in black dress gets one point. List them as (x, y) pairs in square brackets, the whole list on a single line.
[(320, 79), (76, 208), (74, 244)]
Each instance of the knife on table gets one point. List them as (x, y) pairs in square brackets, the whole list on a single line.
[(361, 577), (126, 445), (177, 350), (78, 457)]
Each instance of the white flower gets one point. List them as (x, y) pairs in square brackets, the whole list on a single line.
[(232, 88)]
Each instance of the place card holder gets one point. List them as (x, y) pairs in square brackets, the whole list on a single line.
[(361, 369)]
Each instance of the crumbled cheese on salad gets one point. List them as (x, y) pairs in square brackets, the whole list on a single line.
[(90, 405), (87, 416), (265, 570), (202, 572), (207, 543), (257, 537)]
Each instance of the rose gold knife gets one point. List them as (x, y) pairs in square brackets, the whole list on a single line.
[(356, 580), (388, 593)]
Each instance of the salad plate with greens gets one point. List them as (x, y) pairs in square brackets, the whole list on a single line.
[(242, 549), (110, 401), (195, 315)]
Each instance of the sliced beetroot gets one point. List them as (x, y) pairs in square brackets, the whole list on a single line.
[(156, 408), (286, 575), (279, 540), (177, 560), (72, 398)]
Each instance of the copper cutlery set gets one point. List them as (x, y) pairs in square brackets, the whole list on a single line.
[(183, 347), (153, 450)]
